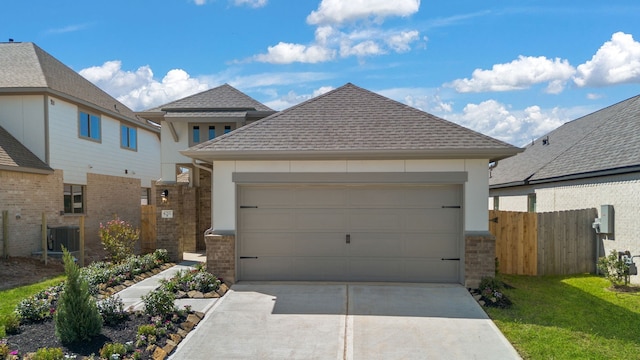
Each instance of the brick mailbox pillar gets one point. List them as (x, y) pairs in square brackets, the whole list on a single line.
[(221, 256), (480, 257)]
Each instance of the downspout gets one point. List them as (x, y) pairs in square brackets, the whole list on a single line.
[(209, 231)]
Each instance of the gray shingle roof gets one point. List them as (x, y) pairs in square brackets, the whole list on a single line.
[(224, 97), (15, 156), (26, 67), (607, 140), (352, 122)]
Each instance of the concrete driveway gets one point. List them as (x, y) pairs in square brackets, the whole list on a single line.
[(266, 320)]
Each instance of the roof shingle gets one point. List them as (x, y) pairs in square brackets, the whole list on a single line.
[(605, 140), (224, 97), (353, 120), (15, 156)]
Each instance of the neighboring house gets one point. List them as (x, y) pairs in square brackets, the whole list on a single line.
[(351, 186), (585, 163), (95, 157), (190, 121)]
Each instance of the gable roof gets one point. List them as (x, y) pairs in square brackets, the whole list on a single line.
[(604, 142), (16, 157), (351, 122), (26, 68)]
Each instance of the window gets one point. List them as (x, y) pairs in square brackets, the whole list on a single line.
[(212, 132), (128, 137), (227, 129), (531, 202), (73, 199), (195, 135), (496, 203), (90, 126)]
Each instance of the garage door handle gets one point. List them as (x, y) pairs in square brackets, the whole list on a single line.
[(348, 239), (452, 259), (248, 257)]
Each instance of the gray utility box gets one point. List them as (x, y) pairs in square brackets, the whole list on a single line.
[(606, 219), (67, 236)]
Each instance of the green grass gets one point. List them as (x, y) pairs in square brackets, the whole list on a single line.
[(11, 297), (570, 317)]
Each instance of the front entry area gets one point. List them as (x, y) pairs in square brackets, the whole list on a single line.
[(340, 232)]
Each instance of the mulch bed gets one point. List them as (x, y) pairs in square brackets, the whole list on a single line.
[(38, 335)]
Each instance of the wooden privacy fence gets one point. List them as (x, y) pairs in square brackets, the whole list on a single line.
[(553, 243), (148, 229)]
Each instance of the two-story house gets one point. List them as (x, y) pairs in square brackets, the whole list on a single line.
[(187, 122), (88, 154)]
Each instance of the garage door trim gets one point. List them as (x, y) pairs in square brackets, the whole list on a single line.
[(445, 177)]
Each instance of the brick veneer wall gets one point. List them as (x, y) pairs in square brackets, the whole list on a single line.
[(204, 208), (176, 234), (106, 197), (26, 196), (221, 256), (480, 254)]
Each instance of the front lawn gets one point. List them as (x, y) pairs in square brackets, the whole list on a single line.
[(569, 317)]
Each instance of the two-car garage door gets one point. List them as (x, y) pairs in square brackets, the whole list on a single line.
[(406, 233)]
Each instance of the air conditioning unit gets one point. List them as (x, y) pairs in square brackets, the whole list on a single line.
[(67, 236)]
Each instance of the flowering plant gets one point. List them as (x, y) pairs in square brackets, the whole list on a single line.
[(118, 238)]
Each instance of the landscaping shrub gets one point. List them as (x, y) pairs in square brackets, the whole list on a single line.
[(49, 354), (114, 350), (112, 310), (118, 238), (77, 317), (11, 323), (159, 302), (187, 280), (491, 291), (614, 269)]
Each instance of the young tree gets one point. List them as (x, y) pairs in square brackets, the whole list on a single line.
[(77, 317)]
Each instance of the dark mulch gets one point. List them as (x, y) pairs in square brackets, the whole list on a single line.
[(39, 335)]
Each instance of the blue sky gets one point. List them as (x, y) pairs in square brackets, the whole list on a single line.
[(513, 70)]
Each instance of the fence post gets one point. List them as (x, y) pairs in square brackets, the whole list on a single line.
[(81, 241), (44, 239), (5, 234)]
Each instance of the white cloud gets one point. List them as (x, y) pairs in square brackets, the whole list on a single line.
[(616, 62), (424, 99), (291, 98), (277, 78), (200, 2), (594, 96), (368, 39), (519, 74), (138, 89), (341, 11), (251, 3), (68, 29), (286, 53), (516, 127)]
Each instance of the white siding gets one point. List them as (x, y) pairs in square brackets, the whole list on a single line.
[(171, 149), (78, 156), (23, 117), (475, 190)]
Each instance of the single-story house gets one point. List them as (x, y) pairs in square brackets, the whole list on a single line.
[(351, 186), (590, 162)]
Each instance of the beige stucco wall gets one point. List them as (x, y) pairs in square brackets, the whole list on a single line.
[(475, 189)]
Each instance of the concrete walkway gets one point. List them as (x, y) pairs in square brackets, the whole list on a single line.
[(345, 321)]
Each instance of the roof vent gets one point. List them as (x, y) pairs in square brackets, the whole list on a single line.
[(10, 40), (545, 141)]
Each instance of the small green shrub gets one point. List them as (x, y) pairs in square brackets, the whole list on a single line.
[(147, 329), (198, 279), (614, 269), (4, 349), (11, 323), (161, 256), (118, 238), (159, 302), (32, 309), (49, 354), (77, 317), (113, 351), (490, 289), (112, 310)]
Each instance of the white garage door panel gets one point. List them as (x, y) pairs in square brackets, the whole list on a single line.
[(396, 232)]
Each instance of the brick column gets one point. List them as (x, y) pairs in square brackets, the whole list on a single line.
[(480, 254), (221, 256)]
